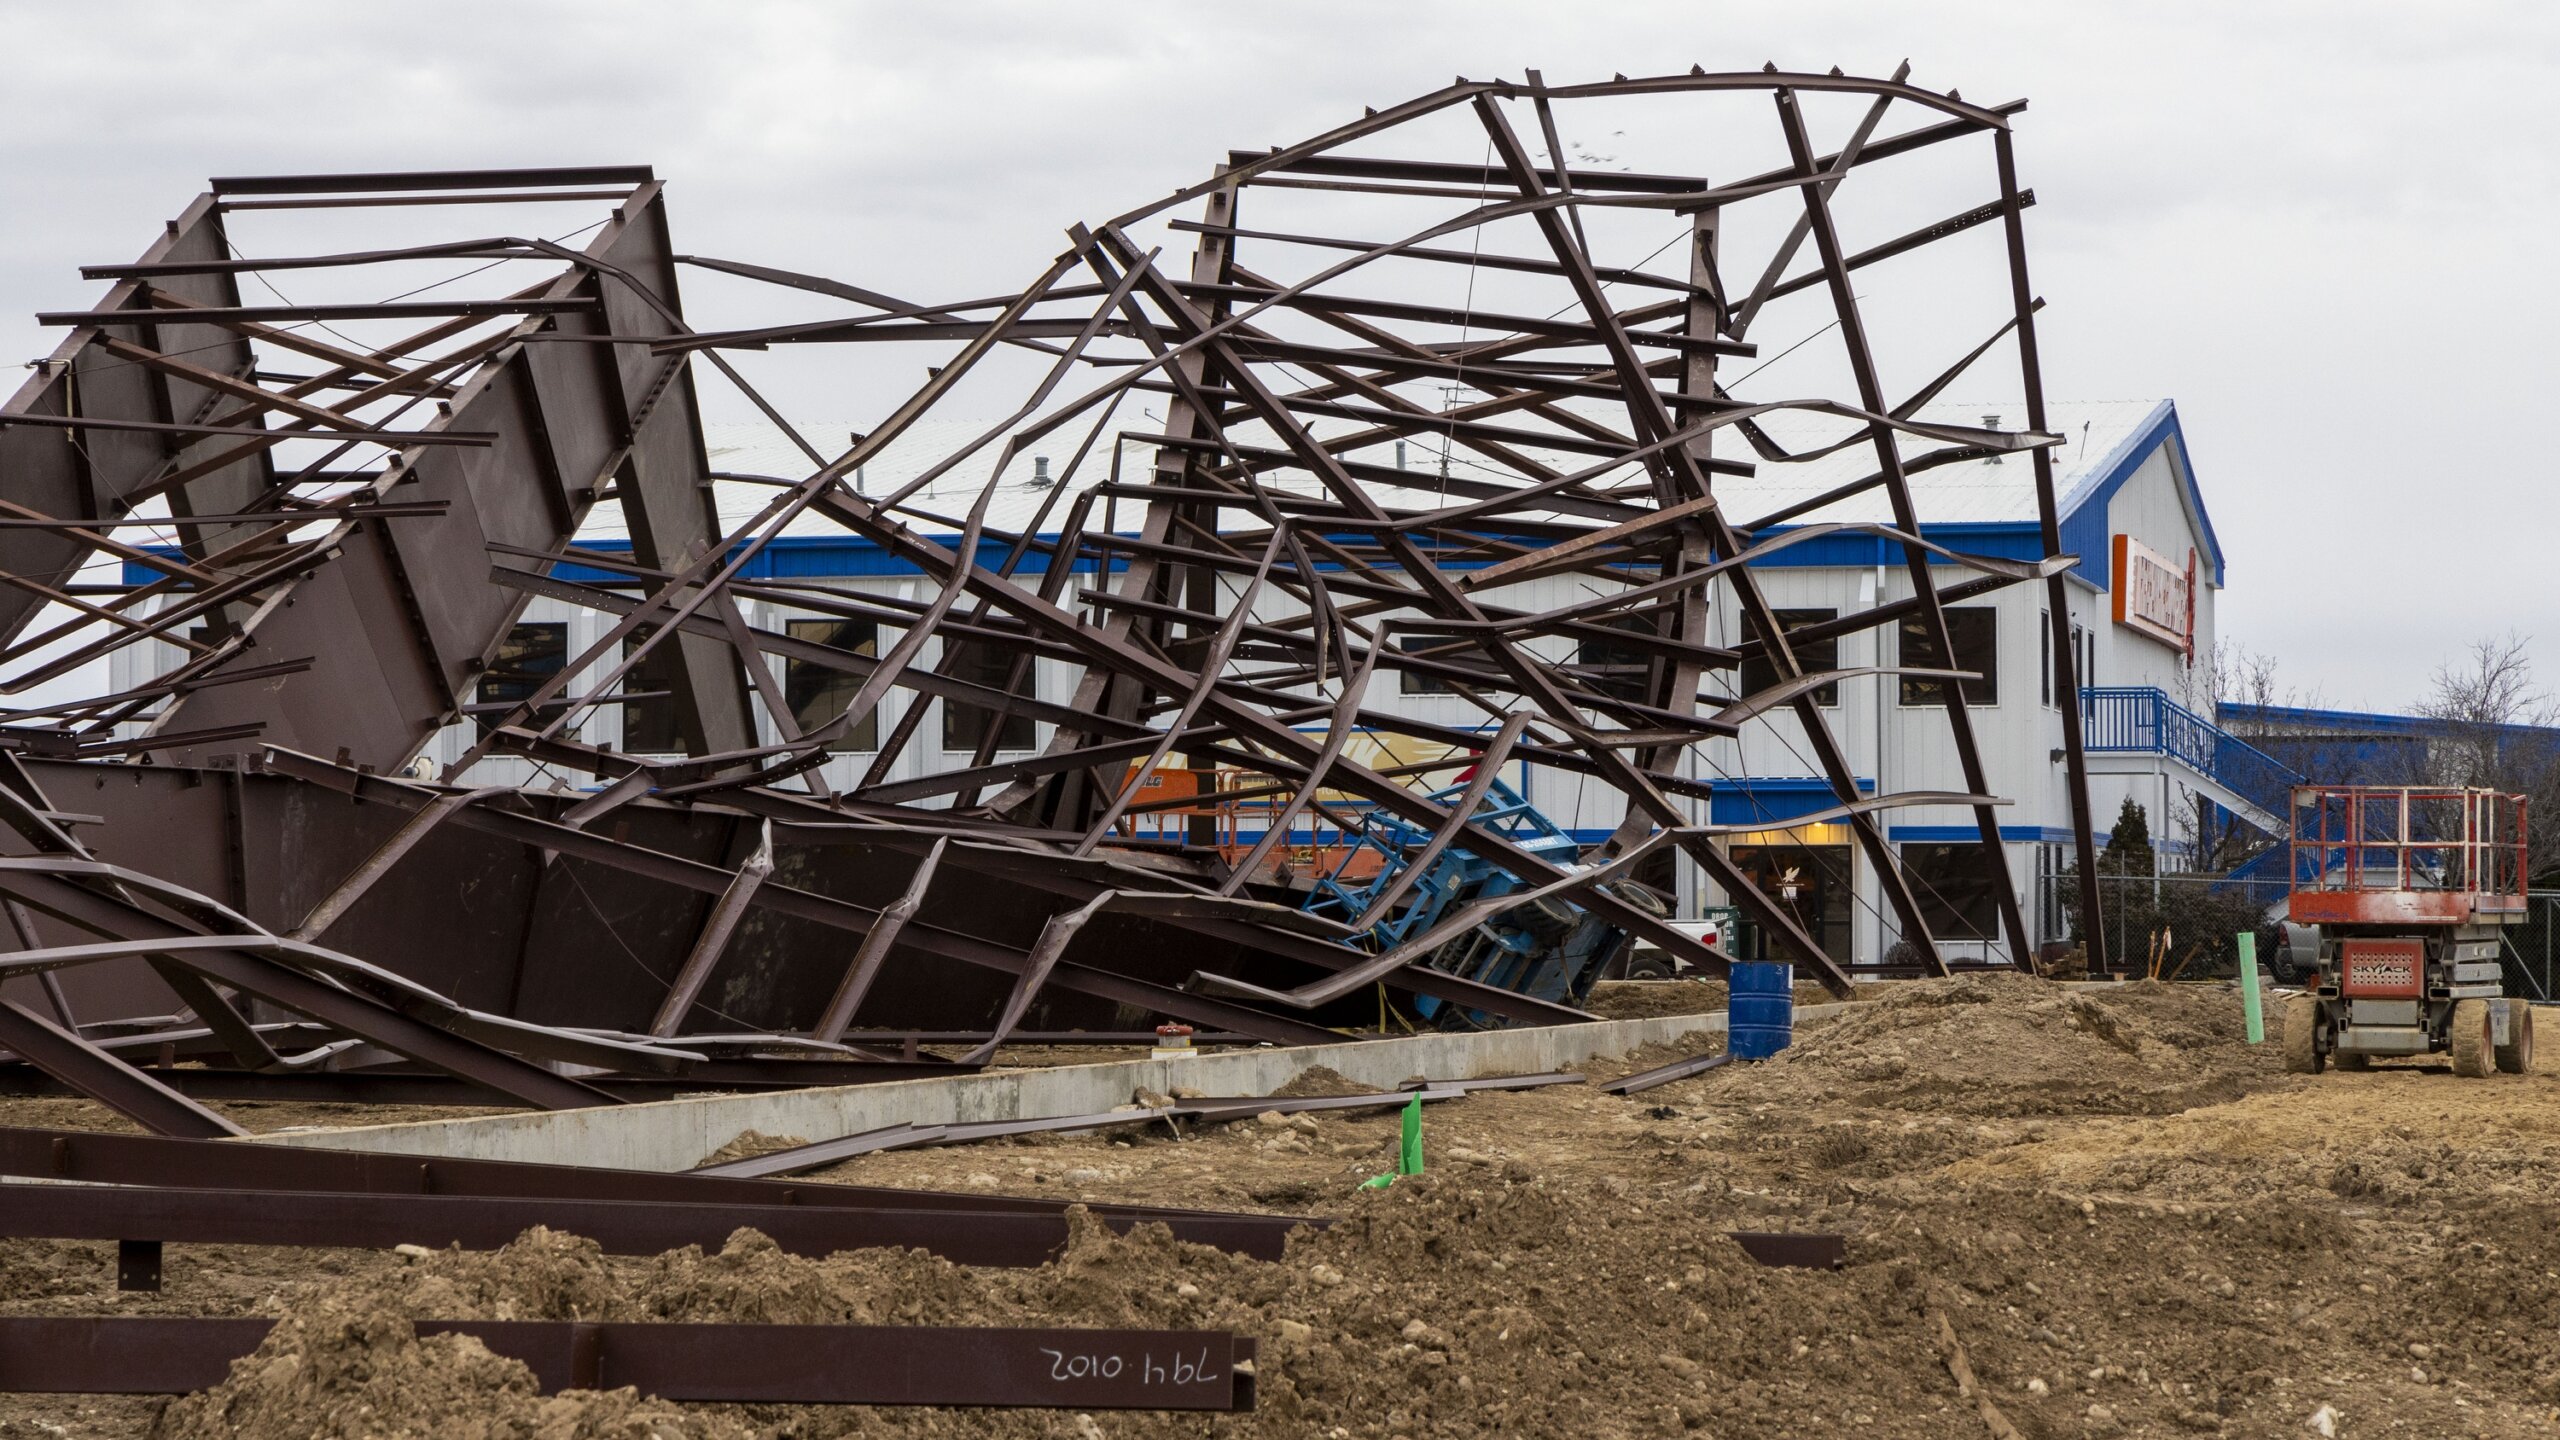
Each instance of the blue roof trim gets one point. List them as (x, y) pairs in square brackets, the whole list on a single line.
[(2316, 723), (2084, 507), (2005, 539), (1969, 834), (1772, 800)]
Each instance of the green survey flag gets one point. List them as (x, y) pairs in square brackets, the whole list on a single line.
[(1408, 1148)]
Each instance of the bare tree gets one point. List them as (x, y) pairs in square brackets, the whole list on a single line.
[(2239, 688), (2495, 727)]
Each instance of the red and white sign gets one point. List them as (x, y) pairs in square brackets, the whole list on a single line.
[(2153, 595)]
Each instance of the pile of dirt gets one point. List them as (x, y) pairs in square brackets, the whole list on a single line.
[(2008, 1045), (1644, 999), (748, 1144), (344, 1364), (1318, 1082)]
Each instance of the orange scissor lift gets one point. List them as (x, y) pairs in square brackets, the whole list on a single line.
[(1168, 801), (2410, 889)]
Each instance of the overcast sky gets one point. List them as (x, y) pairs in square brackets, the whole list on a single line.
[(2324, 229)]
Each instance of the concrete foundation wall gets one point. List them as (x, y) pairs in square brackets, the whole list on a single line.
[(677, 1134)]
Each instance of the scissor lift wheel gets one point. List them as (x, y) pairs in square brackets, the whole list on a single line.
[(2516, 1056), (2474, 1049), (2302, 1035)]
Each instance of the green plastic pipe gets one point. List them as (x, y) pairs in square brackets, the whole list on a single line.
[(2249, 1003)]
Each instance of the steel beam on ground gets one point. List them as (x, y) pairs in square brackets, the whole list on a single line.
[(1197, 1370), (192, 1216), (107, 1160)]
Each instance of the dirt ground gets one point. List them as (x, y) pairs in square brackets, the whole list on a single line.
[(2117, 1215)]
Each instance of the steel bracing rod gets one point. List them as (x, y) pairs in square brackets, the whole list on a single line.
[(2057, 587), (396, 310), (1904, 244), (93, 531), (708, 946), (58, 1051), (1424, 252), (22, 518), (1194, 739), (1055, 934), (361, 880), (873, 952), (1677, 477), (1837, 168), (290, 558), (1576, 553), (23, 925), (475, 438), (1853, 337), (1572, 332), (493, 248)]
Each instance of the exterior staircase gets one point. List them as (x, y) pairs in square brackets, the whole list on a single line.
[(2135, 729)]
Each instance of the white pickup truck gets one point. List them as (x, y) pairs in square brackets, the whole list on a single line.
[(1644, 962)]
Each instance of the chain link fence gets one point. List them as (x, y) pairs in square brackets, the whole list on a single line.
[(2188, 926)]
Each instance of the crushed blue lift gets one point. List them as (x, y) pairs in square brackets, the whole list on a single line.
[(1547, 949)]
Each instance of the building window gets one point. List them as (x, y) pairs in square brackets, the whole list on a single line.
[(2044, 658), (649, 724), (1418, 682), (1759, 673), (1976, 632), (817, 694), (1622, 671), (964, 727), (2084, 649), (529, 657), (1812, 883), (1955, 893)]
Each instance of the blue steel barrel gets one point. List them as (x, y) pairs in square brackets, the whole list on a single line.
[(1762, 1009)]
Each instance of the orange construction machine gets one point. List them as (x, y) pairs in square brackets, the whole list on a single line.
[(2409, 890)]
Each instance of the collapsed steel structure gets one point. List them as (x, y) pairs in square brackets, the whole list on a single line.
[(244, 841)]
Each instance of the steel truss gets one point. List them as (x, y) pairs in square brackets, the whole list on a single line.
[(261, 853)]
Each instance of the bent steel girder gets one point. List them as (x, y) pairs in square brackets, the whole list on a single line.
[(384, 606), (1435, 273)]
